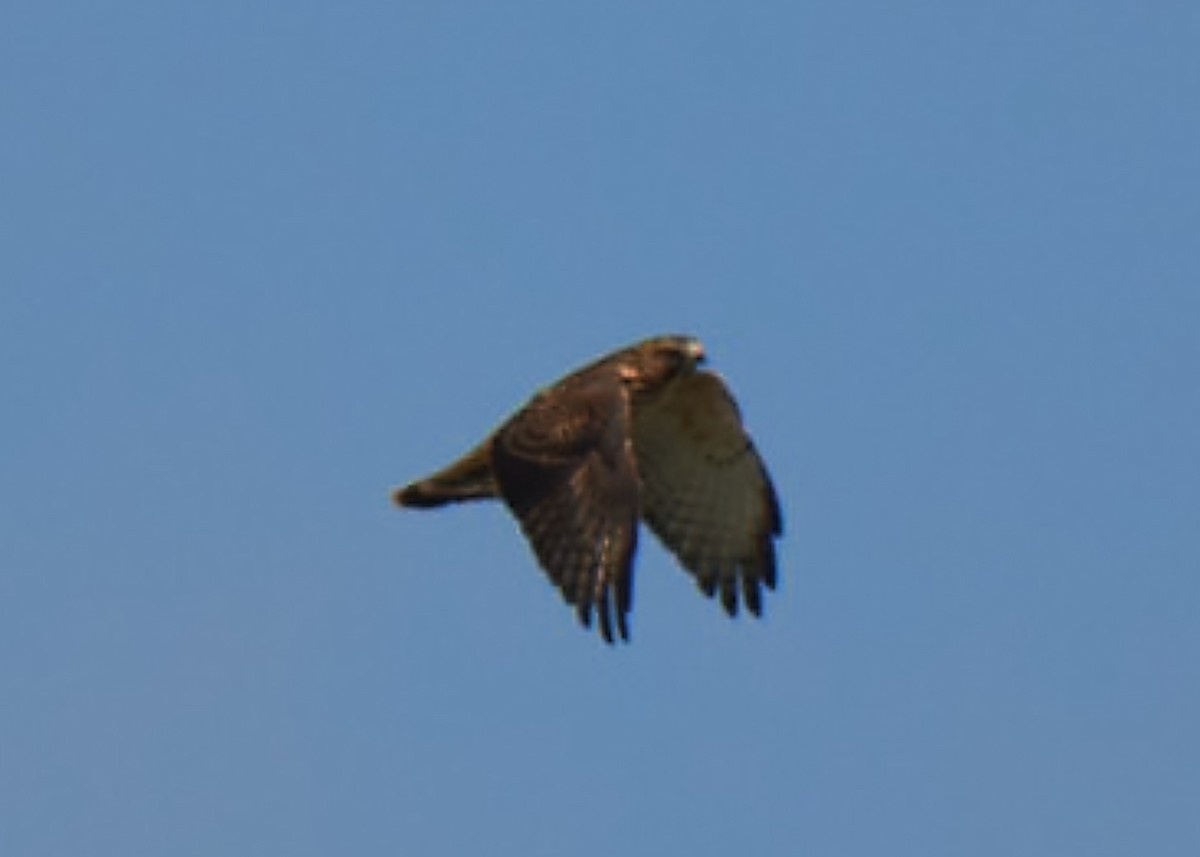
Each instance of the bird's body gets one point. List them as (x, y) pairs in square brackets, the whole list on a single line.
[(641, 434)]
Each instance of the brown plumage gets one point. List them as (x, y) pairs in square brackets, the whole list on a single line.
[(642, 433)]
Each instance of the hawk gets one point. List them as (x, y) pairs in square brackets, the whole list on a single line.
[(641, 434)]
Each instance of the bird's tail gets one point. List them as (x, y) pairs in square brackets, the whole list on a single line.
[(469, 478)]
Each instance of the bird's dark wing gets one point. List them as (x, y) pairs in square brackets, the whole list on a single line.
[(564, 465), (705, 491)]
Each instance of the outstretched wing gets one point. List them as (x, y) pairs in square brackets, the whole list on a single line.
[(705, 491), (564, 465)]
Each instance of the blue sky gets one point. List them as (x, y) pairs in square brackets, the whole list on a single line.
[(260, 263)]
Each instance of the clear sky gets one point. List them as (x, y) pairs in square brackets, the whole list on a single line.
[(261, 262)]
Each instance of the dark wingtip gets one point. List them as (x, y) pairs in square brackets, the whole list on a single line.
[(604, 609), (729, 599), (752, 594), (769, 564)]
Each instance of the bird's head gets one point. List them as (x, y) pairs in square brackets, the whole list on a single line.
[(653, 362)]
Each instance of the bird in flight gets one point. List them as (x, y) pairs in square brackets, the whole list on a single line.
[(643, 433)]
